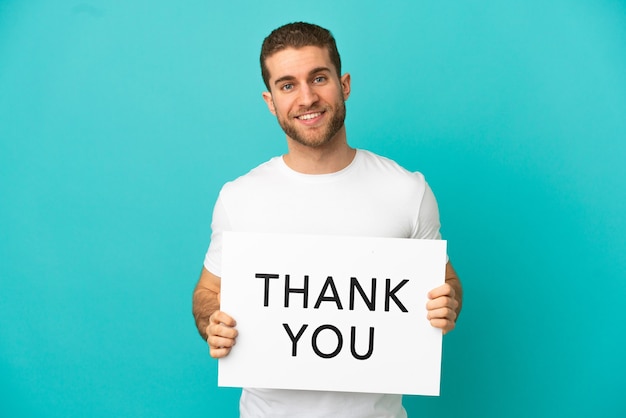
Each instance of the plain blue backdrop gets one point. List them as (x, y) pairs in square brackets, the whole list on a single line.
[(120, 121)]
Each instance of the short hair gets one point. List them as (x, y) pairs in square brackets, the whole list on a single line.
[(298, 35)]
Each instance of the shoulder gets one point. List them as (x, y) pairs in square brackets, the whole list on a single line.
[(259, 176), (390, 169)]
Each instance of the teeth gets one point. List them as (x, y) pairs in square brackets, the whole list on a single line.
[(309, 116)]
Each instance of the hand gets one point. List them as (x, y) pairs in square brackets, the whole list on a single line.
[(442, 308), (221, 334)]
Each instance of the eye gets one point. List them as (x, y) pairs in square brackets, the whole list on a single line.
[(287, 87), (319, 79)]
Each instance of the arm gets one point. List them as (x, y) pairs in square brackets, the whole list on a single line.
[(216, 327), (445, 302)]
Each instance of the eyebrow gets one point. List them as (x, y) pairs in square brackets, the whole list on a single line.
[(290, 77)]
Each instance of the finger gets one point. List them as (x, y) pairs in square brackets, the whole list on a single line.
[(219, 317), (220, 330), (442, 313), (443, 290), (442, 302), (218, 352), (445, 325), (220, 342)]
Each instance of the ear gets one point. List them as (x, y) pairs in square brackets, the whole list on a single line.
[(345, 85), (267, 96)]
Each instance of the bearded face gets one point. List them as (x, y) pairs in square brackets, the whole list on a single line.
[(307, 95)]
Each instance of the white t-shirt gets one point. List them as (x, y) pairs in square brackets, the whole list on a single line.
[(371, 197)]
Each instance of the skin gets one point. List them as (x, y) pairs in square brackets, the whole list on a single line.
[(307, 97)]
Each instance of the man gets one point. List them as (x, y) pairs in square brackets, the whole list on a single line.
[(322, 186)]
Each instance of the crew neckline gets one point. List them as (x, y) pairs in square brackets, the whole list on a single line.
[(318, 177)]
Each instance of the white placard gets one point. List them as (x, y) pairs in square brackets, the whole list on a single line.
[(332, 313)]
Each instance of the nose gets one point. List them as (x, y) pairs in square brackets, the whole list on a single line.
[(308, 96)]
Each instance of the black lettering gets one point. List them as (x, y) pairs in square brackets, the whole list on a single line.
[(334, 298), (370, 350), (339, 341), (392, 295), (294, 340), (267, 277), (304, 291), (371, 302)]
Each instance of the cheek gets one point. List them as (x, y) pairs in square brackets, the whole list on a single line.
[(281, 108)]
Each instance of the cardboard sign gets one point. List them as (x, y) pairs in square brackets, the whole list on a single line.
[(332, 313)]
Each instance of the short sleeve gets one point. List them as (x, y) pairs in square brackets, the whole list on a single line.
[(428, 219), (220, 223)]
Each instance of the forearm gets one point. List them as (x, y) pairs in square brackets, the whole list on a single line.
[(453, 280), (205, 302)]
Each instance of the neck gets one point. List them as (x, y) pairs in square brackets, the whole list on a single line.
[(328, 158)]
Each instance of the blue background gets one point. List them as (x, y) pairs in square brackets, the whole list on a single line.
[(120, 120)]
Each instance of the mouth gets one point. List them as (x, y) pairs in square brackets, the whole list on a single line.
[(309, 116)]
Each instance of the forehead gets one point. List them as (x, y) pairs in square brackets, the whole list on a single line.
[(297, 62)]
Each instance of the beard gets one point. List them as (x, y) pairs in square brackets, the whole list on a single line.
[(319, 137)]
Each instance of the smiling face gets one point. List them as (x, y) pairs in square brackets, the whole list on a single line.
[(307, 96)]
